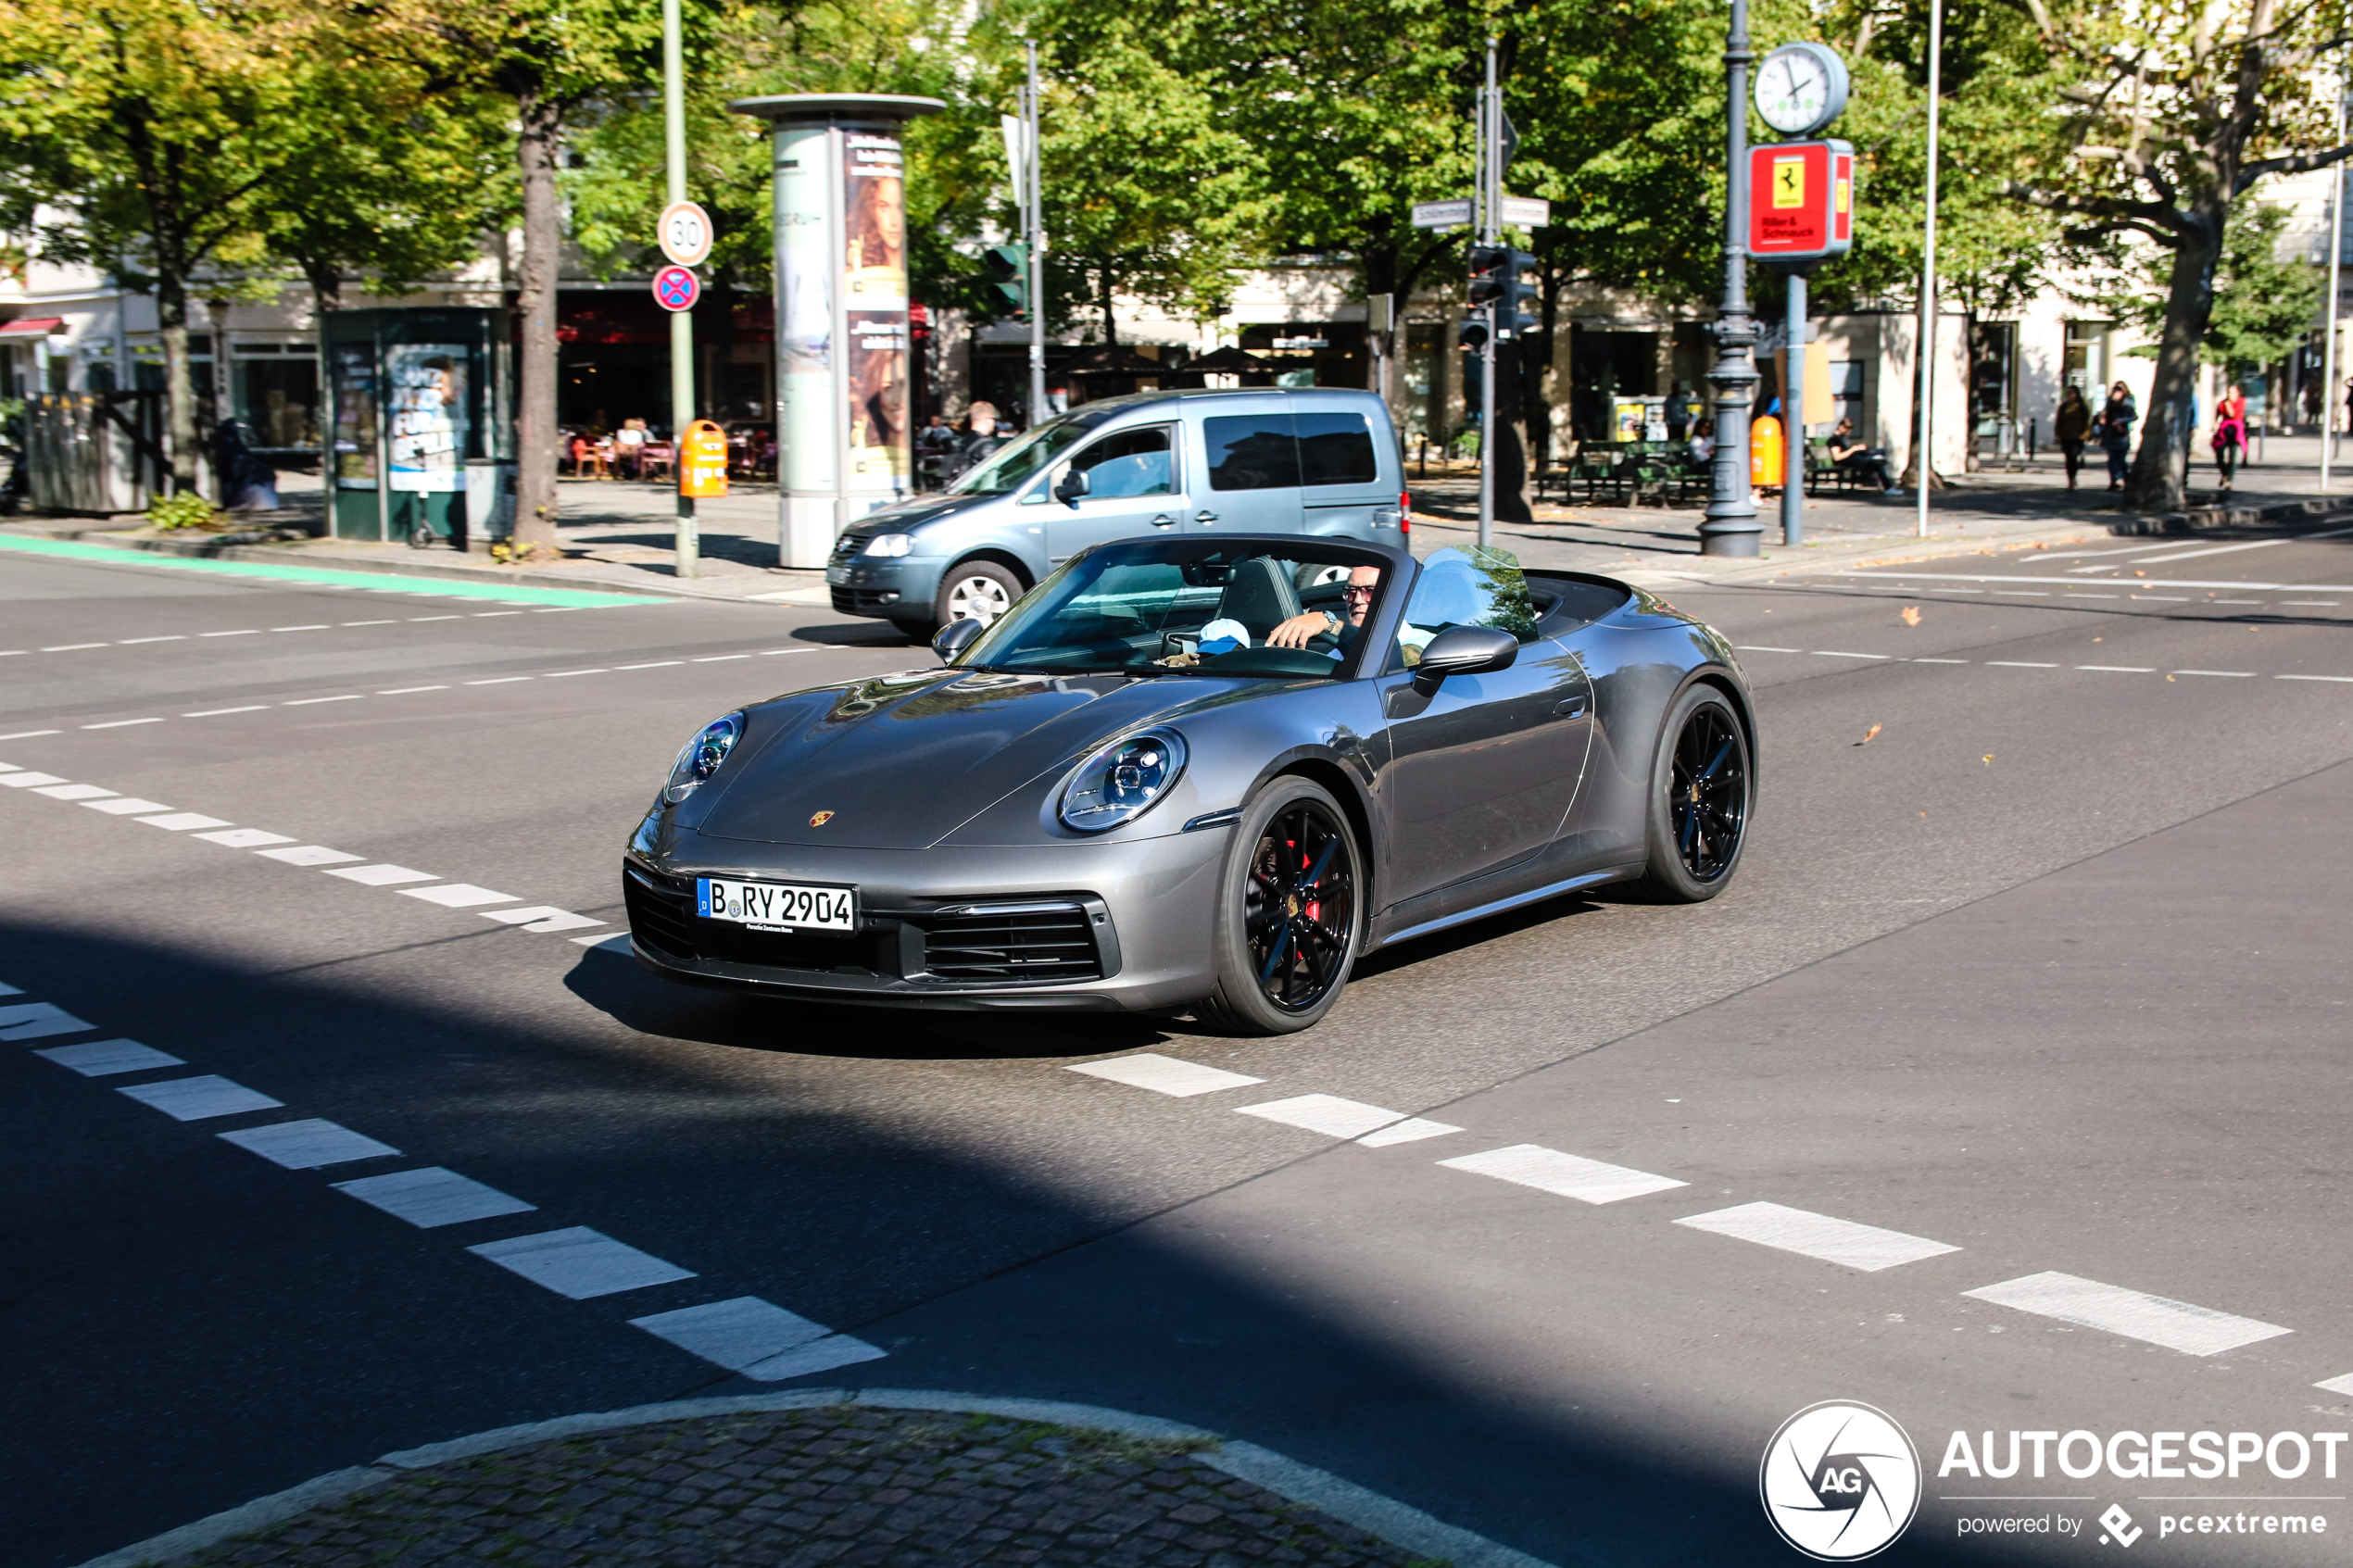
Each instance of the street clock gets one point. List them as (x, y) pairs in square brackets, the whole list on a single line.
[(1801, 88)]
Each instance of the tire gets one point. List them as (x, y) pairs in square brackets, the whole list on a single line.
[(1703, 792), (1269, 982), (979, 590)]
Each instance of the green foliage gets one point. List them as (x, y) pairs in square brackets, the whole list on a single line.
[(185, 510), (2263, 303)]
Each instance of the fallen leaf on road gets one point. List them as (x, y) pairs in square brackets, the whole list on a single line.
[(2168, 677), (1912, 615), (1868, 735), (1989, 759)]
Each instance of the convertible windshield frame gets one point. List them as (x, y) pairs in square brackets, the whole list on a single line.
[(1083, 620), (1029, 454)]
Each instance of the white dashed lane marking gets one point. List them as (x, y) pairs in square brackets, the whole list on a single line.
[(1569, 1175), (305, 1146), (1338, 1118), (196, 1099), (744, 1335), (382, 875), (1164, 1074), (580, 1262), (457, 895), (1867, 1248), (2032, 664), (2177, 1326)]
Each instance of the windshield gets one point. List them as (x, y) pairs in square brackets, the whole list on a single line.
[(1029, 453), (1170, 607)]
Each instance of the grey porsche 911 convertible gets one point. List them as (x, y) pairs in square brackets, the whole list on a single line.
[(1192, 773)]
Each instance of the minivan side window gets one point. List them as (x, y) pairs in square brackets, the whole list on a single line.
[(1335, 449), (1251, 452), (1129, 463)]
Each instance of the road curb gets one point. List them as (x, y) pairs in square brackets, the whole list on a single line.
[(524, 577), (1396, 1523)]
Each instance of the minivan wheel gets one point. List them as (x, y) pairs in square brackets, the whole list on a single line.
[(976, 590)]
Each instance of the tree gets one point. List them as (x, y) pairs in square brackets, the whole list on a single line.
[(2264, 302), (2176, 111), (544, 60), (151, 127)]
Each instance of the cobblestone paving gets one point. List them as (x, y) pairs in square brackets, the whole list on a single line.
[(841, 1486)]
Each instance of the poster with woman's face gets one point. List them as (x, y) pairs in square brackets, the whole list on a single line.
[(875, 290)]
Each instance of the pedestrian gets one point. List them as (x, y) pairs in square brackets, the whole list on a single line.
[(2117, 417), (629, 447), (1704, 441), (981, 438), (2229, 433), (2072, 426), (1866, 463)]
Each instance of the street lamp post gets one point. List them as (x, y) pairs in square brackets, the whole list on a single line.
[(1730, 527)]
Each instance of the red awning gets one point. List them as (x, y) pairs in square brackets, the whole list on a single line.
[(31, 326)]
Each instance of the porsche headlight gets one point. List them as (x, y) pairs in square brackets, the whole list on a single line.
[(702, 756), (1123, 781), (888, 544)]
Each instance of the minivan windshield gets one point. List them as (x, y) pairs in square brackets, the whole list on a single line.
[(1030, 453)]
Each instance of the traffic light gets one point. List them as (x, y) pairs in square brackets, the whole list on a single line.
[(1008, 267), (1499, 282)]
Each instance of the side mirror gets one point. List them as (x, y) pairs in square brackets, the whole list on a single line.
[(1464, 650), (1073, 485), (954, 638)]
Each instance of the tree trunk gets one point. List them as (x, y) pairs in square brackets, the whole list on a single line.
[(1110, 320), (2157, 482), (179, 389), (1511, 450), (537, 147)]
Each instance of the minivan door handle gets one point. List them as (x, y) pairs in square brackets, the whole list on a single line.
[(1163, 520), (1204, 516)]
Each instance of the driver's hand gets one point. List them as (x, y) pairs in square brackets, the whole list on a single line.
[(1295, 632)]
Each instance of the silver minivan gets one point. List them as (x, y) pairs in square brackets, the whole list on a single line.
[(1319, 460)]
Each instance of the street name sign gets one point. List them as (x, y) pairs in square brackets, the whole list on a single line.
[(1443, 215), (1527, 212)]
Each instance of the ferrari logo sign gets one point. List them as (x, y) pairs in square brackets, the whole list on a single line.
[(702, 460), (1801, 201)]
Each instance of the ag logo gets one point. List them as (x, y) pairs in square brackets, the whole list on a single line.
[(1840, 1481)]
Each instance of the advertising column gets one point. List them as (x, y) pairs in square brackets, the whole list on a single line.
[(842, 395)]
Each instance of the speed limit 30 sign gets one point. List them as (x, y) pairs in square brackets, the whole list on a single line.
[(686, 233)]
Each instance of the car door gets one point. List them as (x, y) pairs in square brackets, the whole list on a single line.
[(1482, 769), (1251, 470), (1135, 485)]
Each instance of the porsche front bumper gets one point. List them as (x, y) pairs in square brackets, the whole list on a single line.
[(1103, 927)]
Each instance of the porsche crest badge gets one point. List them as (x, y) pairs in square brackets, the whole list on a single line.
[(820, 818)]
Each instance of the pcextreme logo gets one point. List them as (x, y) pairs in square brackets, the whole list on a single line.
[(1841, 1481)]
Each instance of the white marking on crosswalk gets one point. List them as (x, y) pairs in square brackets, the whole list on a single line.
[(580, 1262), (431, 1197), (38, 1020), (1570, 1175), (124, 805), (737, 1334), (541, 917), (457, 895), (308, 855), (2177, 1326), (183, 822), (382, 875), (1410, 1130), (246, 838), (1867, 1248), (1164, 1075)]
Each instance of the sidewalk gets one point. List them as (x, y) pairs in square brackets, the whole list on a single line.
[(824, 1481)]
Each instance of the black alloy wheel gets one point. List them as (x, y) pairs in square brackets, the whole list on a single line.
[(1299, 910), (1701, 793), (1291, 912)]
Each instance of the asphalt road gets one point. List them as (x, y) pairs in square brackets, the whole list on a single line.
[(2034, 969)]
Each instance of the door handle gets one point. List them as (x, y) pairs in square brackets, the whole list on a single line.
[(1569, 707), (1204, 516), (1163, 520)]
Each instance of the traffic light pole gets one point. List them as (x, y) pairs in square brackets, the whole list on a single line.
[(1730, 527), (1035, 232), (1491, 232), (688, 539)]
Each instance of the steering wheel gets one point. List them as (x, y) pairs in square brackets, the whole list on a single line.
[(1322, 642)]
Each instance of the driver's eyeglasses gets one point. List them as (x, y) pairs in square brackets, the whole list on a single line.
[(1354, 593)]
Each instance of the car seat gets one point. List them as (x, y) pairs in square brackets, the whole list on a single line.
[(1259, 595)]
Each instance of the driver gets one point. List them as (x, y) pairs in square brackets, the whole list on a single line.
[(1356, 598)]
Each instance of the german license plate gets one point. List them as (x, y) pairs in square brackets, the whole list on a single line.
[(777, 906)]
